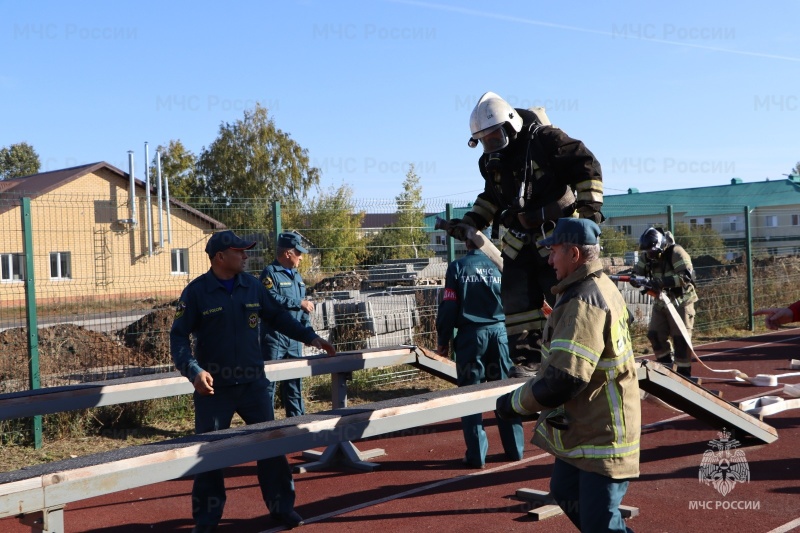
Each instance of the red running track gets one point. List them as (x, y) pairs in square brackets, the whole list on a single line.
[(421, 484)]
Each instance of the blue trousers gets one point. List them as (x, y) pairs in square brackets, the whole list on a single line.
[(482, 355), (212, 413), (291, 393), (591, 501)]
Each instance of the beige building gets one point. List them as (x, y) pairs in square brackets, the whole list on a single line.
[(89, 242), (773, 212)]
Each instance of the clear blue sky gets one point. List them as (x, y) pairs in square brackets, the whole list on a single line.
[(668, 95)]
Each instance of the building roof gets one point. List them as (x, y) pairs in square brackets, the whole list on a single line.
[(458, 212), (715, 200), (38, 184), (378, 220)]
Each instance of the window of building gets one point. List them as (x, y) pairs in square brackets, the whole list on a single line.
[(771, 221), (12, 267), (700, 222), (795, 220), (60, 265), (626, 230), (179, 259), (733, 223)]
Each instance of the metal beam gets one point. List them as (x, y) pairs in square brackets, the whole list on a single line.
[(112, 392), (72, 480), (700, 403)]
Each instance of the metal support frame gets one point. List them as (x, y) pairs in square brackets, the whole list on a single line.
[(342, 453), (50, 520)]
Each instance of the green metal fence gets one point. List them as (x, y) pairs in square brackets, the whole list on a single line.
[(97, 293)]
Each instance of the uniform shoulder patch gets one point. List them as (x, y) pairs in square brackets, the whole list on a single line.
[(180, 308), (267, 283)]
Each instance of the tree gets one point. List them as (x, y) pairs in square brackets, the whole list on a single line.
[(335, 232), (178, 166), (251, 164), (406, 237), (616, 243), (700, 240), (18, 160), (796, 169)]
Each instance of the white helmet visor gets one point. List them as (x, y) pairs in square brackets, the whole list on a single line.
[(493, 139)]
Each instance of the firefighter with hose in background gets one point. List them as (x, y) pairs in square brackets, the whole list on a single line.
[(534, 174), (669, 268)]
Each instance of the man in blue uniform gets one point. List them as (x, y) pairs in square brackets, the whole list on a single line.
[(471, 304), (285, 283), (221, 309)]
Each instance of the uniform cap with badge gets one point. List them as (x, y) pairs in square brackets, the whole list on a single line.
[(221, 241), (578, 231), (291, 240)]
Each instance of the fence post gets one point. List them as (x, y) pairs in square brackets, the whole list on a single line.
[(749, 253), (276, 222), (670, 219), (30, 315), (451, 242)]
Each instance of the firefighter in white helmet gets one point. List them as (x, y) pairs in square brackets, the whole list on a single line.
[(534, 174)]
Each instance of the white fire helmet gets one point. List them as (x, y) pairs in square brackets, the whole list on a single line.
[(487, 120)]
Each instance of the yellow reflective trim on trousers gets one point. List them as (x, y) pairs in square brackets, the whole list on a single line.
[(511, 245), (511, 240)]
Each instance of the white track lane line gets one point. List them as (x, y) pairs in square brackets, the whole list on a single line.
[(741, 348), (786, 527), (411, 492)]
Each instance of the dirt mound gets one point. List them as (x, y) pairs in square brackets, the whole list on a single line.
[(348, 281), (64, 350), (148, 337)]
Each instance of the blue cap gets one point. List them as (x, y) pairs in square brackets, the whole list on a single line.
[(226, 239), (291, 240), (573, 231)]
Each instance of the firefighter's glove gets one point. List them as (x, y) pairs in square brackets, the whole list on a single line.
[(656, 284), (457, 228), (503, 408), (635, 283)]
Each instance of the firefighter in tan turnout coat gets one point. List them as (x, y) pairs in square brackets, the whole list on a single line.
[(586, 391), (669, 268)]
